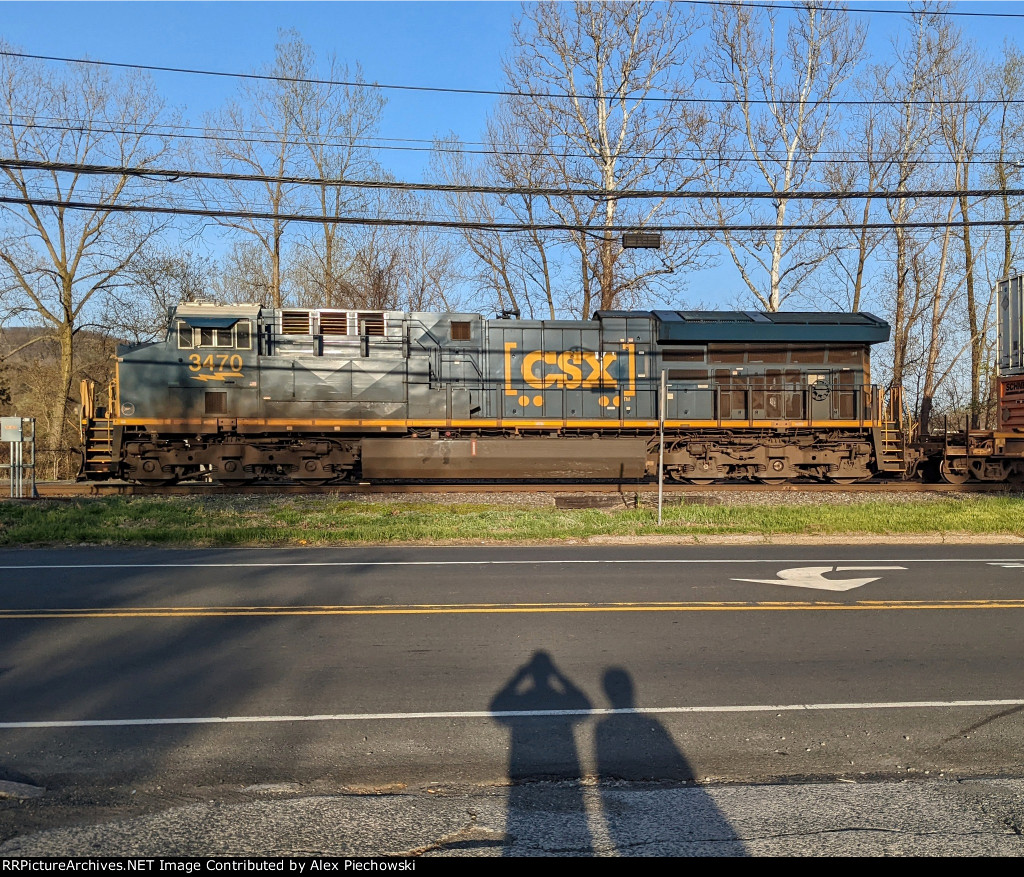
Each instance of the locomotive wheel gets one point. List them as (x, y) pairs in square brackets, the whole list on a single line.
[(954, 470), (846, 479), (156, 482), (773, 481), (701, 482)]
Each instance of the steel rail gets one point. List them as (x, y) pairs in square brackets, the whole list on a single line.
[(117, 488)]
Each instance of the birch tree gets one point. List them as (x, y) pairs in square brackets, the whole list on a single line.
[(907, 90), (964, 117), (588, 110), (777, 90)]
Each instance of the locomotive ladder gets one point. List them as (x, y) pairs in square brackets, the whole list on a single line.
[(892, 449), (97, 436)]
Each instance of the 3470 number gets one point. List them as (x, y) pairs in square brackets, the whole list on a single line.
[(219, 362)]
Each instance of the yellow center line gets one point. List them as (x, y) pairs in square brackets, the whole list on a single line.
[(501, 609)]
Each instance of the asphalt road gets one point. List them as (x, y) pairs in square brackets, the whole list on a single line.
[(563, 696)]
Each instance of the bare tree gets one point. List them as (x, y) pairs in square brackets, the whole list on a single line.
[(56, 261), (932, 287), (581, 118), (843, 278), (1009, 90), (516, 270), (244, 274), (334, 119), (257, 134), (778, 110), (964, 116), (161, 277), (303, 120)]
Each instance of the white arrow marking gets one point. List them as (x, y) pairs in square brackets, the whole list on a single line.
[(1007, 565), (814, 577)]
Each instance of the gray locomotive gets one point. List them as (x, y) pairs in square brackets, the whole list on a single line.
[(243, 393)]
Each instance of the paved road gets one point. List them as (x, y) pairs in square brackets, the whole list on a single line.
[(511, 681)]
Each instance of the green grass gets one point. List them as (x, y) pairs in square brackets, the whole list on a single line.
[(317, 520)]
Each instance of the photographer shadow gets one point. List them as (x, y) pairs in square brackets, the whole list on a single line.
[(633, 747), (541, 707)]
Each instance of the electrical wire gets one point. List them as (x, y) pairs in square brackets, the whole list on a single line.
[(532, 95), (497, 226), (175, 175), (794, 8), (274, 138)]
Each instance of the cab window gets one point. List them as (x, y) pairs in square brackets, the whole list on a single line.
[(243, 335), (215, 338), (186, 341)]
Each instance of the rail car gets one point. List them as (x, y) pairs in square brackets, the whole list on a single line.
[(243, 393)]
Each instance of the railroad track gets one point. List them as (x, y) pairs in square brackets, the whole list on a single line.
[(72, 489)]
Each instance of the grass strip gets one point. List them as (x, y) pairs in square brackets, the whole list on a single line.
[(319, 520)]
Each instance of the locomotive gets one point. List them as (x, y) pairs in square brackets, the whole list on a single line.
[(243, 393)]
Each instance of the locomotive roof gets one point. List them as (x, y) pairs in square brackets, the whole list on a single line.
[(206, 315), (698, 327)]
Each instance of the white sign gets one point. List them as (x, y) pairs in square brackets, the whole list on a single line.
[(814, 577)]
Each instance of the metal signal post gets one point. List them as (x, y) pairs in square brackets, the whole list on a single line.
[(661, 445)]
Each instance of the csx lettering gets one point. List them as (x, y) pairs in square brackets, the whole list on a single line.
[(544, 368)]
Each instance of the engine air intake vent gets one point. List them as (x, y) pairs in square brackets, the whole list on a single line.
[(333, 323), (371, 324), (294, 322)]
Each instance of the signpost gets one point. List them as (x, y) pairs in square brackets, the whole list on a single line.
[(661, 445), (17, 432)]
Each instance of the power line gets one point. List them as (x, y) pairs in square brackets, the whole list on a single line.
[(279, 139), (792, 8), (174, 175), (303, 80), (497, 226)]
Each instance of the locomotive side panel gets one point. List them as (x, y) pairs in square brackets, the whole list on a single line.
[(566, 374)]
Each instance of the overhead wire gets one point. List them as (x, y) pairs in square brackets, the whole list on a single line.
[(275, 138), (792, 7), (171, 175), (547, 95), (412, 222)]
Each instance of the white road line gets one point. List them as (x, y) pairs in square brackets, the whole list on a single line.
[(513, 714), (568, 562)]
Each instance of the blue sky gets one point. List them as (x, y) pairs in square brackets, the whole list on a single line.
[(441, 44), (445, 44)]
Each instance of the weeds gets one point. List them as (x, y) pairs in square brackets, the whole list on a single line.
[(210, 521)]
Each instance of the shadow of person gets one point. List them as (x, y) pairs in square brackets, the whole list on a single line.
[(540, 706), (632, 747)]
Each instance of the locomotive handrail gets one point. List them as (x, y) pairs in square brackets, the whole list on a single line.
[(86, 391)]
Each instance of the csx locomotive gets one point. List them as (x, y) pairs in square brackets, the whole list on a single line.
[(244, 393)]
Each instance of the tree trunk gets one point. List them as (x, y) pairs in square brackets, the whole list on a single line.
[(977, 339), (65, 337), (899, 340), (926, 414), (329, 280), (277, 265)]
